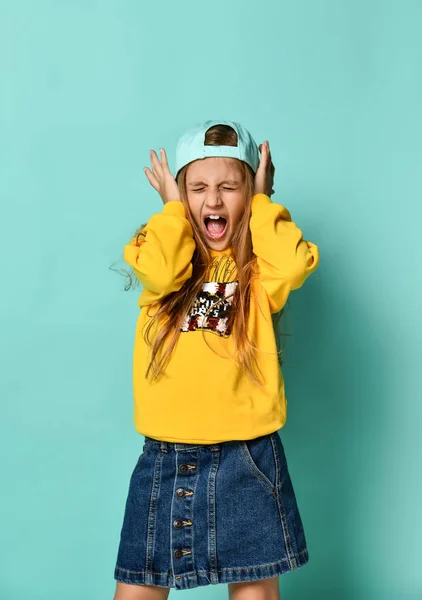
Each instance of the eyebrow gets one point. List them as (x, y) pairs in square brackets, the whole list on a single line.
[(229, 181)]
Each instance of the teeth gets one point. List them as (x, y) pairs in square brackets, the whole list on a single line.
[(213, 216)]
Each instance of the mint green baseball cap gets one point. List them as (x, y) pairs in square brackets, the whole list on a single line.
[(191, 146)]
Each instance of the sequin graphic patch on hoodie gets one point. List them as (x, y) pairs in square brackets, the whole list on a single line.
[(212, 308)]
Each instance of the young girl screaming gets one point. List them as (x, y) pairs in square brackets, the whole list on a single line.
[(210, 499)]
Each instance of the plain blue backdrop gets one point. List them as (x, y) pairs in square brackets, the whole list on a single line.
[(87, 88)]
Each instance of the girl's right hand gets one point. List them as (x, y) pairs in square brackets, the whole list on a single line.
[(160, 177)]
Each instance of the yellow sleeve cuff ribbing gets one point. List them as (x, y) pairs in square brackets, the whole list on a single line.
[(175, 208)]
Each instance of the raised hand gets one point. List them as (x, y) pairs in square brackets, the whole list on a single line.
[(160, 177), (264, 176)]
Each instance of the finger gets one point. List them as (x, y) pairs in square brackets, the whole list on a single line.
[(260, 158), (263, 154), (269, 161), (152, 179), (261, 166), (155, 163), (156, 167), (164, 161)]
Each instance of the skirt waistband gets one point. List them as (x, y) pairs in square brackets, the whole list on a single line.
[(164, 445)]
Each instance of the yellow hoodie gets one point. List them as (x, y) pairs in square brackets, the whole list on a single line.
[(203, 398)]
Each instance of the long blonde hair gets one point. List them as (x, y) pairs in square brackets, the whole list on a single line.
[(168, 319)]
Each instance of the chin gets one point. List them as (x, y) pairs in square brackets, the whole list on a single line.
[(217, 245), (222, 244)]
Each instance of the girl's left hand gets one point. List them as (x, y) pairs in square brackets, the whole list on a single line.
[(264, 176)]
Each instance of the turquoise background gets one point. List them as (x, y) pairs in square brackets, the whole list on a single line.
[(87, 89)]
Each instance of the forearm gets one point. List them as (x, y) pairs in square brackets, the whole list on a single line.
[(161, 259), (284, 258)]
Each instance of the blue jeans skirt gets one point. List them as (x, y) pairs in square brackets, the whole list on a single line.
[(200, 514)]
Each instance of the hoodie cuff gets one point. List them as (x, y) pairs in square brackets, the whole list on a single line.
[(175, 208), (261, 200)]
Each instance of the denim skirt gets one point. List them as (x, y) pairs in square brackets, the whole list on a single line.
[(200, 514)]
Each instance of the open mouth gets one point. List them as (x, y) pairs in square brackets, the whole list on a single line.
[(215, 228)]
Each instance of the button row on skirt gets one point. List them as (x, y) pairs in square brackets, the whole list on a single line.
[(178, 523)]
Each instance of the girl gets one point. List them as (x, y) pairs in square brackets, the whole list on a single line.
[(210, 499)]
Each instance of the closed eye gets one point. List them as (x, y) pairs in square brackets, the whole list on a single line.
[(224, 188)]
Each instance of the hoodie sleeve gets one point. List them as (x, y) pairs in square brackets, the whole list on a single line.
[(162, 260), (284, 258)]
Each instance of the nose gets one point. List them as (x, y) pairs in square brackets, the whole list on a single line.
[(213, 199)]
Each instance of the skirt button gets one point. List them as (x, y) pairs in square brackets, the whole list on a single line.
[(183, 468), (177, 553), (178, 523), (180, 492)]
